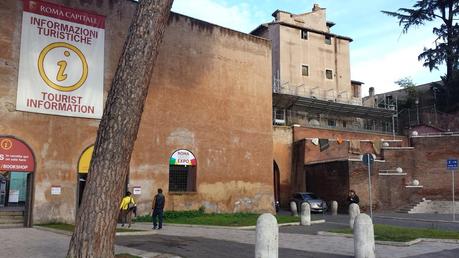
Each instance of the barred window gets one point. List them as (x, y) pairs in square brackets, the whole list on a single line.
[(182, 172), (178, 178)]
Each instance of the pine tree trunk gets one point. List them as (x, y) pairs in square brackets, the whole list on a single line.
[(96, 220)]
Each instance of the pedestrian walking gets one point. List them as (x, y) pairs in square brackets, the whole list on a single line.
[(158, 209), (353, 198), (126, 207)]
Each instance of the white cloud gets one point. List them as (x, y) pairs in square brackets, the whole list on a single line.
[(381, 72), (239, 16)]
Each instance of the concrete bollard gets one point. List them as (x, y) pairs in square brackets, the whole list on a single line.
[(334, 208), (364, 238), (305, 218), (267, 242), (354, 210), (293, 209)]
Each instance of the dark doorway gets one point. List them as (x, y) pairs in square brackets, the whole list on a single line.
[(276, 182), (81, 184), (15, 195)]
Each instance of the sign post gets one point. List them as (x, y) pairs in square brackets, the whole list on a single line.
[(367, 159), (451, 164)]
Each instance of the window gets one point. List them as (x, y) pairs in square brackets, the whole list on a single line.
[(182, 172), (305, 70), (304, 34), (328, 39), (344, 124), (331, 123), (329, 74)]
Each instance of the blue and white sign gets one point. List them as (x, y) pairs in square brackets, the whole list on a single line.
[(368, 158), (451, 164)]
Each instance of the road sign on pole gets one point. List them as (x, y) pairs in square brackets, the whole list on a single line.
[(451, 164)]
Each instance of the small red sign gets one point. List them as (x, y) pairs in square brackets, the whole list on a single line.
[(15, 156), (64, 13)]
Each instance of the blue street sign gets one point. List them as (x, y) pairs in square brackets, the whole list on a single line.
[(451, 164), (366, 157)]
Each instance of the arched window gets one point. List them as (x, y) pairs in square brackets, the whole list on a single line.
[(182, 171)]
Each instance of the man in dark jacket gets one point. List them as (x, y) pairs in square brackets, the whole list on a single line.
[(353, 198), (158, 208)]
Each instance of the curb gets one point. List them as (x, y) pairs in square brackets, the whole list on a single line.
[(57, 231), (393, 243)]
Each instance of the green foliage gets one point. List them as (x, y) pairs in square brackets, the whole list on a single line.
[(447, 33), (446, 49), (199, 217), (70, 227), (126, 256), (404, 234), (410, 88)]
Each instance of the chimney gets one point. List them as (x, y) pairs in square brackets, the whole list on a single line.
[(316, 7), (371, 91)]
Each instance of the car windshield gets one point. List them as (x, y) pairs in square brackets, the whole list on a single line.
[(309, 196)]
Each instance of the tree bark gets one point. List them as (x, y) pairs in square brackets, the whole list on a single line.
[(96, 220)]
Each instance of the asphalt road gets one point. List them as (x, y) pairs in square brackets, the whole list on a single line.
[(198, 247)]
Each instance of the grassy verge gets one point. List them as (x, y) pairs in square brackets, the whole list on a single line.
[(126, 256), (70, 227), (199, 217), (403, 234)]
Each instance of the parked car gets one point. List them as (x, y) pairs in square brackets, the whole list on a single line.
[(316, 204)]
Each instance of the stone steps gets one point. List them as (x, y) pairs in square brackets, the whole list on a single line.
[(12, 225), (429, 206), (11, 218)]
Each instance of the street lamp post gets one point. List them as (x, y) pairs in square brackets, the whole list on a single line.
[(417, 110)]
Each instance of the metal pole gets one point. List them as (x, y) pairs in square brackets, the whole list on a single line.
[(417, 112), (454, 203), (393, 126), (369, 185)]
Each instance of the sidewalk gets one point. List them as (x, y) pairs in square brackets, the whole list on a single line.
[(31, 242), (333, 245)]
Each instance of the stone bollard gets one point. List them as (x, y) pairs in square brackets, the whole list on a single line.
[(305, 218), (354, 210), (267, 242), (364, 239), (293, 209), (334, 208)]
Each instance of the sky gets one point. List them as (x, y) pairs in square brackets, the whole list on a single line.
[(380, 52)]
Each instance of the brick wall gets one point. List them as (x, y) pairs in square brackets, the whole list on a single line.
[(430, 156), (330, 181)]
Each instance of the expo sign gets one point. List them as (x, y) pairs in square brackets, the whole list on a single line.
[(182, 158)]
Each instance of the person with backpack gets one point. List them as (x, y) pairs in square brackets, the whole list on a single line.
[(158, 209), (126, 207)]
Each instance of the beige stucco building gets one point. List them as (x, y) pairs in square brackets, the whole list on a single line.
[(308, 59)]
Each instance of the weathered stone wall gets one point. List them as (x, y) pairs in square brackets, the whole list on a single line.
[(210, 93), (282, 141)]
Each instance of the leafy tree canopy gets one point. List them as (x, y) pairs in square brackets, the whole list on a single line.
[(446, 44)]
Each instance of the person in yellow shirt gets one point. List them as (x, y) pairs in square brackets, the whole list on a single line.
[(126, 207)]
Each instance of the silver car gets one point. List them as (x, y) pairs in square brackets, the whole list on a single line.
[(316, 204)]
